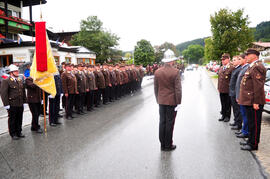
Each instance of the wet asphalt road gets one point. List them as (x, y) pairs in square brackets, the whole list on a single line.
[(120, 140)]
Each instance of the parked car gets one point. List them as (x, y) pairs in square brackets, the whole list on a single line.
[(267, 91), (189, 68)]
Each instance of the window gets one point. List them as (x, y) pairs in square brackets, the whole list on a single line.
[(80, 60), (56, 59), (83, 60), (68, 59)]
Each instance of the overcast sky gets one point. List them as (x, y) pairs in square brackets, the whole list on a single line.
[(157, 21)]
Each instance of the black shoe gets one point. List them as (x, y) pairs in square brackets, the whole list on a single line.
[(243, 143), (235, 128), (82, 112), (21, 135), (248, 148), (72, 116), (15, 137), (173, 147), (242, 136), (57, 123), (238, 132), (232, 124), (226, 119), (60, 116), (52, 124), (221, 119), (39, 131)]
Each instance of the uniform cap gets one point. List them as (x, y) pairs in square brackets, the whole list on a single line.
[(252, 51), (169, 56), (225, 56), (12, 68)]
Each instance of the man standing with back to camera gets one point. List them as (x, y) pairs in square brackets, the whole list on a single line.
[(168, 92)]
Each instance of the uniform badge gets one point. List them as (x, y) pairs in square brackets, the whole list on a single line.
[(11, 79), (226, 77), (258, 76), (19, 79)]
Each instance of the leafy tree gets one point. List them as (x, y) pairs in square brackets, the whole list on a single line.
[(159, 50), (230, 32), (209, 50), (128, 55), (194, 53), (144, 53), (94, 37)]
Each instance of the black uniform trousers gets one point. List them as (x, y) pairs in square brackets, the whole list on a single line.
[(80, 102), (104, 93), (35, 110), (254, 125), (166, 124), (69, 104), (236, 112), (225, 105), (90, 99), (112, 93), (54, 108), (98, 97), (15, 116)]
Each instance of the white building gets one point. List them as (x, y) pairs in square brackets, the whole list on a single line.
[(24, 52)]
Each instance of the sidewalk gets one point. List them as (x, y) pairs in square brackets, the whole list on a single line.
[(263, 154)]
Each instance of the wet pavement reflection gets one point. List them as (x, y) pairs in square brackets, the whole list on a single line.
[(120, 140)]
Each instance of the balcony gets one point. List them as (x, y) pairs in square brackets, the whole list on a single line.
[(14, 23)]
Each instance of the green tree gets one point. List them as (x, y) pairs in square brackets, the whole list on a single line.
[(94, 37), (209, 50), (194, 53), (144, 53), (230, 32), (128, 55)]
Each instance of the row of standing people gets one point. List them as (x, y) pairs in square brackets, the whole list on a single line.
[(87, 86), (241, 87), (81, 86)]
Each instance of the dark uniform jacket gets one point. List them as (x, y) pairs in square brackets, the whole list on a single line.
[(100, 80), (118, 77), (113, 78), (13, 92), (233, 80), (252, 85), (141, 73), (81, 81), (224, 77), (58, 85), (239, 79), (125, 77), (33, 91), (69, 83), (167, 86), (106, 74), (91, 81)]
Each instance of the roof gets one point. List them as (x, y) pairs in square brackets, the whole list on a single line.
[(25, 2), (262, 44)]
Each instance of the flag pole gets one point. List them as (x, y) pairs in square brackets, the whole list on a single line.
[(44, 112)]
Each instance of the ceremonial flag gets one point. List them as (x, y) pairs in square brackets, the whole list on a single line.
[(43, 66)]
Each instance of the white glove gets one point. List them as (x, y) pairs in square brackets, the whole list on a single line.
[(62, 95), (7, 107), (50, 96), (41, 102), (177, 108), (24, 105)]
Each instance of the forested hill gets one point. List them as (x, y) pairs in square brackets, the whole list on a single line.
[(262, 32), (184, 45)]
